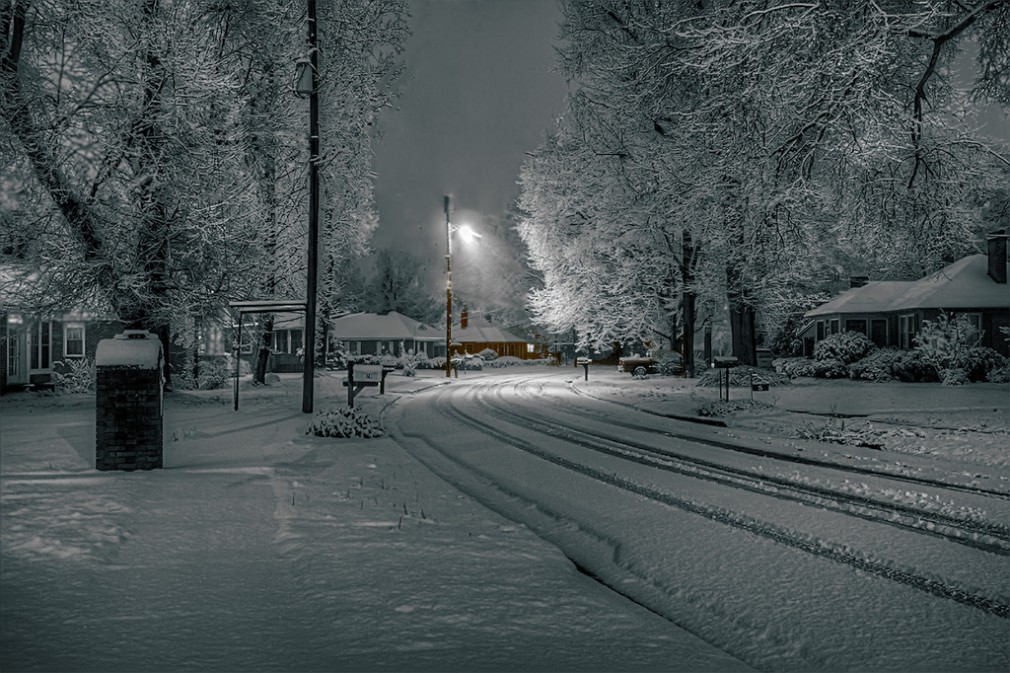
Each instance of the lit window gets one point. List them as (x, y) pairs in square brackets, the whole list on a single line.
[(73, 341), (530, 348)]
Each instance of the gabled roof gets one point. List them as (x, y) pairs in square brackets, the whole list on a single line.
[(391, 326), (479, 330), (965, 284)]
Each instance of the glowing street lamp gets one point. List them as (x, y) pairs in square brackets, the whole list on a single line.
[(468, 234)]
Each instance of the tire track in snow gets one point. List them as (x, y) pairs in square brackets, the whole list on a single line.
[(803, 460), (937, 524), (811, 545)]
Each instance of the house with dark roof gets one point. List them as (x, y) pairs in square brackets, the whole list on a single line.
[(34, 343), (891, 313), (379, 334), (472, 335)]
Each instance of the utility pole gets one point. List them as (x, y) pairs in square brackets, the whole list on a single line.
[(308, 382), (448, 288)]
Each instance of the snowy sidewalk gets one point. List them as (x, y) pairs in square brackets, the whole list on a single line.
[(261, 548)]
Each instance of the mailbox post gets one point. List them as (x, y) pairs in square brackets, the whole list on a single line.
[(585, 362), (724, 364), (128, 402), (365, 376)]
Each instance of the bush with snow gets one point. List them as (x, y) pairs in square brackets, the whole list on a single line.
[(488, 354), (845, 347), (978, 361), (74, 376), (345, 422), (794, 367), (946, 344), (830, 368)]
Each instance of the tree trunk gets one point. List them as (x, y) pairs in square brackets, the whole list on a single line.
[(742, 318), (688, 302), (263, 357)]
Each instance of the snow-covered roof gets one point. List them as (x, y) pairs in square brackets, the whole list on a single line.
[(389, 326), (965, 284), (479, 330), (869, 298)]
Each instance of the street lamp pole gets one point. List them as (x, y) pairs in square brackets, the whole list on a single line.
[(448, 288), (308, 383)]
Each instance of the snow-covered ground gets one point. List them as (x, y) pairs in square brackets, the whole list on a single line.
[(470, 537)]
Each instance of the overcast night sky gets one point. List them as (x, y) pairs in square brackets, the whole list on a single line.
[(480, 91)]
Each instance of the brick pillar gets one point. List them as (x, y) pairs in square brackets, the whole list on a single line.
[(128, 402)]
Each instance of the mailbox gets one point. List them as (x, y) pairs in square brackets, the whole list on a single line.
[(726, 362), (367, 373)]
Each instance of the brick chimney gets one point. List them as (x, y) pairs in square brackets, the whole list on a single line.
[(997, 255), (464, 317)]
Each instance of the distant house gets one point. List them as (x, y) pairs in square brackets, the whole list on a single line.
[(375, 334), (474, 335), (891, 312)]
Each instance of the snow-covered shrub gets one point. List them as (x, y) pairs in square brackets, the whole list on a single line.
[(468, 363), (880, 365), (846, 347), (831, 368), (784, 341), (74, 376), (999, 374), (408, 360), (979, 361), (488, 354), (954, 376), (794, 367), (213, 374), (945, 342), (345, 422), (912, 367), (431, 363)]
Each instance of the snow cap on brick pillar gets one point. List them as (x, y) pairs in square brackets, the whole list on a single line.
[(132, 348), (464, 318)]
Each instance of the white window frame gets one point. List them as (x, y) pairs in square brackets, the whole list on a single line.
[(66, 339), (34, 333), (906, 331)]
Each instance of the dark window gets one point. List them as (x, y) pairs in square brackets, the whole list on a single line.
[(855, 326), (834, 327), (878, 332), (820, 330)]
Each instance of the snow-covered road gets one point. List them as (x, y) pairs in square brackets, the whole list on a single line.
[(789, 556), (701, 548)]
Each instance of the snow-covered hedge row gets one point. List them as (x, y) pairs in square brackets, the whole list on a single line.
[(910, 366)]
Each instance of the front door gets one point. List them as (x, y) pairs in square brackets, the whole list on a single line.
[(17, 350)]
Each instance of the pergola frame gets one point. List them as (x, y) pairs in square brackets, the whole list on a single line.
[(272, 306)]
